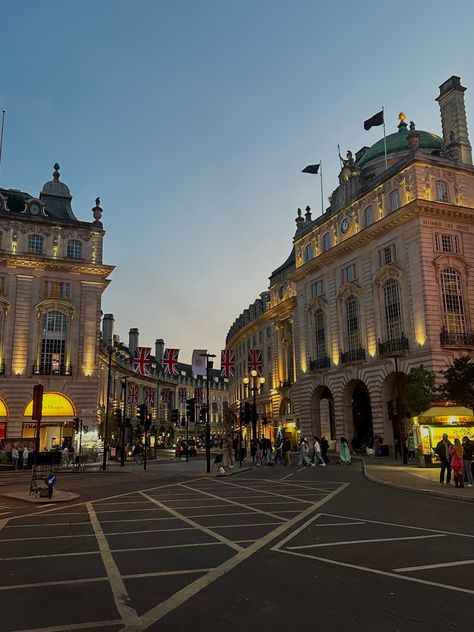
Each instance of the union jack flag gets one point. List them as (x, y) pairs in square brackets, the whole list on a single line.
[(227, 363), (182, 395), (142, 361), (198, 396), (166, 395), (170, 361), (255, 361), (133, 394), (149, 396)]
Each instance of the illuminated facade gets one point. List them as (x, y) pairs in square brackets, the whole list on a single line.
[(51, 281), (382, 280)]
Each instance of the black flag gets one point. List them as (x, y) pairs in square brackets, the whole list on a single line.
[(311, 169), (374, 121)]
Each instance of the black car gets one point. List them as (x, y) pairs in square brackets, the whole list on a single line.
[(184, 447)]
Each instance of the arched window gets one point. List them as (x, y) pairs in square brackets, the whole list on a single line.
[(352, 323), (74, 249), (442, 191), (53, 344), (35, 244), (308, 252), (369, 216), (326, 241), (285, 407), (393, 312), (453, 304), (320, 334)]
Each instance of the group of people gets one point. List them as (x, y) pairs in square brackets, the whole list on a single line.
[(20, 457), (313, 452), (457, 459)]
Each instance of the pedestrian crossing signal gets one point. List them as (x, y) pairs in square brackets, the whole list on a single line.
[(174, 416), (203, 413)]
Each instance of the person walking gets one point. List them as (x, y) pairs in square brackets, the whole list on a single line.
[(15, 457), (324, 449), (468, 447), (442, 450), (317, 458), (344, 452), (227, 453), (457, 462), (137, 453), (304, 449), (286, 448), (411, 447), (25, 457)]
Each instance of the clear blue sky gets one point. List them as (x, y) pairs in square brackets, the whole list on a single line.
[(193, 120)]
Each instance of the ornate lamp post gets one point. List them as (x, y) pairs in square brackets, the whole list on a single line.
[(254, 384)]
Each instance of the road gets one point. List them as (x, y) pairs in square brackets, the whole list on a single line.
[(272, 548)]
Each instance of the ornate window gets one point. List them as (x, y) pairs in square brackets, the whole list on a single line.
[(317, 289), (442, 191), (320, 334), (349, 274), (54, 326), (74, 249), (394, 201), (35, 244), (57, 289), (447, 243), (326, 241), (387, 255), (352, 323), (369, 216), (393, 312), (453, 303)]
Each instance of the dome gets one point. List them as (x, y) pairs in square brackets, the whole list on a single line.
[(398, 142), (55, 187)]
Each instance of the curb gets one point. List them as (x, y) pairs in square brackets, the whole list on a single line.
[(405, 488), (58, 497)]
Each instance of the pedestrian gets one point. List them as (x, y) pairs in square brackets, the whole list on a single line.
[(411, 447), (258, 458), (468, 447), (227, 453), (317, 458), (278, 449), (269, 455), (15, 457), (25, 457), (324, 449), (344, 452), (442, 450), (235, 447), (137, 453), (304, 449), (457, 462), (253, 449), (286, 448)]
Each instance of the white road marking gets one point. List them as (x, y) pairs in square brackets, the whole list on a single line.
[(121, 598), (338, 524), (287, 476), (412, 537), (301, 469), (266, 493), (85, 580), (74, 626), (427, 567), (168, 573)]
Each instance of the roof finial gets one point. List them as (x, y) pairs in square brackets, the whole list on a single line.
[(97, 211), (56, 171)]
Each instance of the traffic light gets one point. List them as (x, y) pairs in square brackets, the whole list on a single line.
[(141, 413), (148, 422), (202, 413), (247, 413), (191, 409), (118, 416), (85, 428), (183, 421), (75, 424), (174, 416)]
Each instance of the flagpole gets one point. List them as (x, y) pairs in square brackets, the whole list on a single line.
[(1, 137), (384, 138), (322, 194)]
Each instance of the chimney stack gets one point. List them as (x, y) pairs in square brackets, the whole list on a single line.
[(108, 329), (133, 341), (159, 351), (453, 117)]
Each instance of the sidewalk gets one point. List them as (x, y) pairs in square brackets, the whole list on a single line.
[(422, 480)]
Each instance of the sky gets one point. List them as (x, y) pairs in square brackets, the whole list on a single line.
[(192, 121)]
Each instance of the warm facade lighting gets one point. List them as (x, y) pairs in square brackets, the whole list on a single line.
[(54, 405)]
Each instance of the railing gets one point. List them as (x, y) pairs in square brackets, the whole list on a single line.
[(320, 363), (49, 369), (456, 340), (394, 345), (356, 355)]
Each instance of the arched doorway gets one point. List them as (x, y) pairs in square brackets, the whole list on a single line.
[(393, 398), (322, 413), (358, 413), (287, 425)]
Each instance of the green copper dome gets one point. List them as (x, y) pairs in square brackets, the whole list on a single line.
[(398, 142)]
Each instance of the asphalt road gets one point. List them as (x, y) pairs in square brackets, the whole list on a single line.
[(273, 548)]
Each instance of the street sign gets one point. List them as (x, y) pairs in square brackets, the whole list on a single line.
[(51, 480)]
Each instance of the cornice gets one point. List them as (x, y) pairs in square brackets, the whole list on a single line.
[(278, 311), (39, 263)]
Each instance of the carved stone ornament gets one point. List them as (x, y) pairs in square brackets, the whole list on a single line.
[(97, 211)]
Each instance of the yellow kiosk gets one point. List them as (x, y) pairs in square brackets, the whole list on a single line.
[(429, 427)]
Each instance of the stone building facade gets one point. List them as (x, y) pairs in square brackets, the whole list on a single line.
[(381, 282), (51, 281)]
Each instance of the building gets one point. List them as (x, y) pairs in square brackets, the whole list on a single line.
[(381, 282), (51, 281), (122, 389)]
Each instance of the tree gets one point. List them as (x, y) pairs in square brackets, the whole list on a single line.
[(420, 389), (459, 384)]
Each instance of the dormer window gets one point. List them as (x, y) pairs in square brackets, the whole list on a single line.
[(394, 201), (74, 249), (35, 244), (442, 193)]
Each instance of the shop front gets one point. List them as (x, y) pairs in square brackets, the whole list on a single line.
[(3, 423), (430, 426), (56, 428)]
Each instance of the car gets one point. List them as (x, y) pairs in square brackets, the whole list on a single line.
[(184, 447)]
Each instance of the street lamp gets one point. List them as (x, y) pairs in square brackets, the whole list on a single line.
[(254, 383)]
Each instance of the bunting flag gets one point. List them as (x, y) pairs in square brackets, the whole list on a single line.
[(182, 395), (199, 362), (198, 396), (149, 396), (133, 394), (170, 361), (227, 363), (255, 361), (214, 407), (166, 395), (142, 361), (374, 121)]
